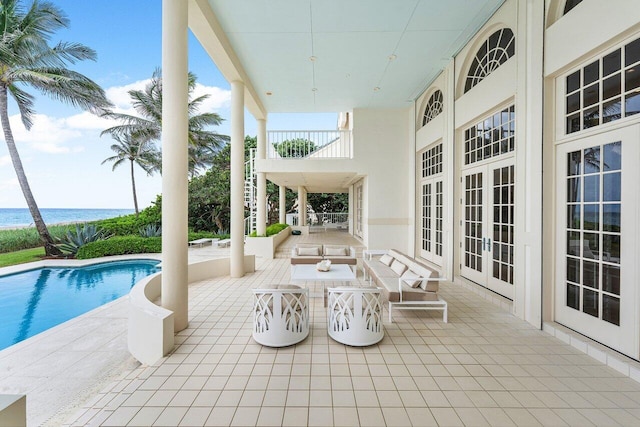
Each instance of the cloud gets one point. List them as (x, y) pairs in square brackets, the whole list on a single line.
[(119, 95), (88, 121), (59, 135), (48, 134), (9, 184), (218, 97), (49, 147), (5, 160)]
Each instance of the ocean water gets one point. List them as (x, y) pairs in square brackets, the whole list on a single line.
[(19, 217)]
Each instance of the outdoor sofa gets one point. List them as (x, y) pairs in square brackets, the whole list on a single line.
[(406, 283), (311, 253)]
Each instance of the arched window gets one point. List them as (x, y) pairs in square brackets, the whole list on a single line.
[(494, 52), (570, 4), (434, 107)]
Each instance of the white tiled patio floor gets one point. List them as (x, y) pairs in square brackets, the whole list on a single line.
[(484, 367)]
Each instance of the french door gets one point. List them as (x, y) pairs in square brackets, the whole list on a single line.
[(431, 217), (487, 247), (596, 286)]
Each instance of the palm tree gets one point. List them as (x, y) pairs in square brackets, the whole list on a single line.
[(147, 103), (138, 151), (26, 59)]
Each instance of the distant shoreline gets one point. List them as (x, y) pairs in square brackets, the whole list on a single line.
[(20, 227), (20, 218)]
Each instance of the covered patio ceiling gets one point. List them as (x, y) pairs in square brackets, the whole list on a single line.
[(336, 55), (315, 182)]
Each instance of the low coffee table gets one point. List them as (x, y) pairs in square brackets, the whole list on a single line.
[(301, 273)]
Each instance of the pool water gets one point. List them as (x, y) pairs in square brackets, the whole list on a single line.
[(36, 300)]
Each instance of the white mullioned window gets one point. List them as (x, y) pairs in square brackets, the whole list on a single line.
[(495, 51), (605, 90)]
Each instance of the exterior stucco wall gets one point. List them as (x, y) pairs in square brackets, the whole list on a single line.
[(382, 145)]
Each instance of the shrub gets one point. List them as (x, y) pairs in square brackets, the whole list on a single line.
[(271, 230), (74, 240), (131, 224), (150, 230), (120, 245)]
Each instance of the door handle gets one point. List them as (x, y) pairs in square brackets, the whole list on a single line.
[(486, 244)]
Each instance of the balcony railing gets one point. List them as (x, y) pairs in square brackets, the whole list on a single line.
[(338, 220), (317, 144)]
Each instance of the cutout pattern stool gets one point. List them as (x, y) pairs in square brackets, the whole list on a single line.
[(280, 315), (355, 315)]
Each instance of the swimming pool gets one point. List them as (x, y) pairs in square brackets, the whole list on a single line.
[(35, 300)]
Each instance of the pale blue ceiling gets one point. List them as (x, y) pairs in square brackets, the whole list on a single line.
[(352, 41)]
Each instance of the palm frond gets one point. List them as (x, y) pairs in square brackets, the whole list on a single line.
[(25, 105)]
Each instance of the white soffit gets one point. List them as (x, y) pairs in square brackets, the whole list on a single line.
[(314, 182), (351, 41)]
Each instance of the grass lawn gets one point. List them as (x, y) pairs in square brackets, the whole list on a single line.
[(20, 257)]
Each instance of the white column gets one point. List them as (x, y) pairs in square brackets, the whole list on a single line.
[(237, 179), (529, 194), (174, 161), (261, 220), (282, 199), (302, 217)]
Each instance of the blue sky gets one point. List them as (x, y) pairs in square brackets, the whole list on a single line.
[(63, 151)]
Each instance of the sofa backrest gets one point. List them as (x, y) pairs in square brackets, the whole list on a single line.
[(336, 250), (308, 245), (418, 268)]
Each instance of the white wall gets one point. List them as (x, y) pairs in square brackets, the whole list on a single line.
[(382, 147)]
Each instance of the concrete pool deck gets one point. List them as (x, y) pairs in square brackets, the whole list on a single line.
[(61, 367)]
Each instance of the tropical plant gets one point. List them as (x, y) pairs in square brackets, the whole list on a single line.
[(74, 240), (139, 151), (296, 148), (26, 59), (150, 230), (147, 124)]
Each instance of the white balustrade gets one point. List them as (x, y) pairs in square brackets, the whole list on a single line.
[(284, 144)]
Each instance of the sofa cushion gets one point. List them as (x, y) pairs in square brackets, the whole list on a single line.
[(410, 278), (398, 267), (386, 259), (335, 251), (390, 289), (305, 259), (312, 251), (349, 260), (377, 269)]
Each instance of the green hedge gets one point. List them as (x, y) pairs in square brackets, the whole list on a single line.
[(271, 230), (120, 245)]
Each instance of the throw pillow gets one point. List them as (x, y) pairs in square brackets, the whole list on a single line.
[(329, 251), (308, 251), (425, 281), (398, 267), (386, 259), (410, 278)]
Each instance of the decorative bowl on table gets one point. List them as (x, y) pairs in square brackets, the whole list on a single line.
[(324, 265)]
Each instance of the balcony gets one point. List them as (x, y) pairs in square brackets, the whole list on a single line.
[(316, 144)]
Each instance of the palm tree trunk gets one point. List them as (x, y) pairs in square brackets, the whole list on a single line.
[(47, 241), (133, 186)]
